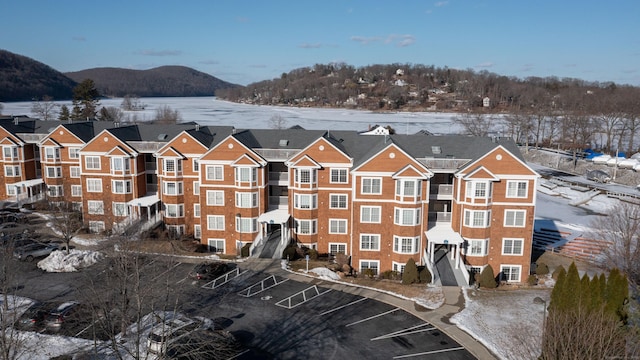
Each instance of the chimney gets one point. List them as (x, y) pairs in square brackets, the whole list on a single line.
[(15, 120), (197, 127)]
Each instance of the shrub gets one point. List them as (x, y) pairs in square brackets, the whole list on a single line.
[(389, 275), (487, 278), (542, 268), (290, 252), (244, 252), (369, 273), (532, 280), (410, 274), (313, 254), (424, 275), (555, 273)]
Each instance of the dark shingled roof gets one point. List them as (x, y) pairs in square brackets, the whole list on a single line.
[(209, 136)]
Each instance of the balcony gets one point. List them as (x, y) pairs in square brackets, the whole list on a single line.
[(441, 191), (278, 202), (444, 164), (150, 166), (275, 155), (279, 178), (439, 217)]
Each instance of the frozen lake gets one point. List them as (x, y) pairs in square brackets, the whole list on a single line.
[(210, 111)]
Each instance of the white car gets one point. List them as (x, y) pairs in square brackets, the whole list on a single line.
[(169, 331), (627, 163)]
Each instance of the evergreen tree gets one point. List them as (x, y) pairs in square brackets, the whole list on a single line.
[(595, 290), (585, 292), (488, 278), (571, 288), (616, 294), (410, 274), (557, 294), (85, 100), (64, 113)]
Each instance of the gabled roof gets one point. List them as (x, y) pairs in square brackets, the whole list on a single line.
[(481, 173), (117, 151), (170, 152), (245, 160), (410, 171), (306, 162)]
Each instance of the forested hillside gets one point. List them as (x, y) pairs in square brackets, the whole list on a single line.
[(24, 79), (160, 81)]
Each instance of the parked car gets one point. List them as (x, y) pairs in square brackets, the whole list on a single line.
[(598, 176), (33, 318), (169, 331), (11, 228), (602, 159), (61, 314), (35, 250), (8, 216), (209, 271)]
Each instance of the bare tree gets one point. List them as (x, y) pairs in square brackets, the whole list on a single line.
[(277, 122), (475, 124), (111, 113), (66, 221), (45, 108), (166, 115), (620, 232)]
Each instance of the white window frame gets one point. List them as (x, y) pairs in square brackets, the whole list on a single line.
[(510, 278), (407, 216), (94, 185), (195, 165), (218, 222), (246, 174), (401, 188), (398, 267), (53, 151), (120, 164), (217, 242), (215, 172), (74, 153), (517, 189), (55, 190), (300, 200), (197, 231), (76, 190), (174, 211), (176, 166), (11, 189), (338, 201), (339, 176), (10, 153), (312, 225), (215, 197), (338, 226), (53, 171), (246, 200), (126, 186), (406, 244), (246, 225), (96, 226), (369, 264), (368, 185), (337, 248), (510, 243), (95, 207), (305, 176), (196, 210), (475, 191), (370, 242), (74, 171), (123, 206), (477, 247), (178, 186), (374, 215), (514, 222), (470, 219), (12, 170), (92, 163), (196, 188)]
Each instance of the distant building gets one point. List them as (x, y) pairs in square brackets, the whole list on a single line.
[(486, 102)]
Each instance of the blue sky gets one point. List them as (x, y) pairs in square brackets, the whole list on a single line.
[(246, 41)]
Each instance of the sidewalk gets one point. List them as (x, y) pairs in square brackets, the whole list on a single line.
[(454, 302)]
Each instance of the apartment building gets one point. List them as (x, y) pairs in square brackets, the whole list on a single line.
[(381, 199)]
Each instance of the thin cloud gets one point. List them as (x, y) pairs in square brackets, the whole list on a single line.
[(79, 38), (310, 45), (527, 67), (441, 3), (159, 52), (258, 66), (393, 39), (487, 64), (209, 62), (630, 71)]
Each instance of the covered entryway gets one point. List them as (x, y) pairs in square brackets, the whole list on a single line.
[(29, 191), (274, 235), (443, 253)]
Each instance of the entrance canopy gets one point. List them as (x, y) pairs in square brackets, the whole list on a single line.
[(443, 234), (144, 201), (277, 216), (29, 183)]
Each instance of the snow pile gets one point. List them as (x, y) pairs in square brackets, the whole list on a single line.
[(60, 261), (432, 297), (325, 274), (508, 323)]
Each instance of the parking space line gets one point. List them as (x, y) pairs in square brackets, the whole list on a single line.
[(343, 306), (428, 353), (238, 355), (223, 279), (407, 331), (162, 274), (262, 286), (373, 317), (287, 302)]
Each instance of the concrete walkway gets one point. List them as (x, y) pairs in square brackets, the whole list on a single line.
[(454, 303)]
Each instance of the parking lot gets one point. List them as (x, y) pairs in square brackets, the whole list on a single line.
[(273, 315)]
